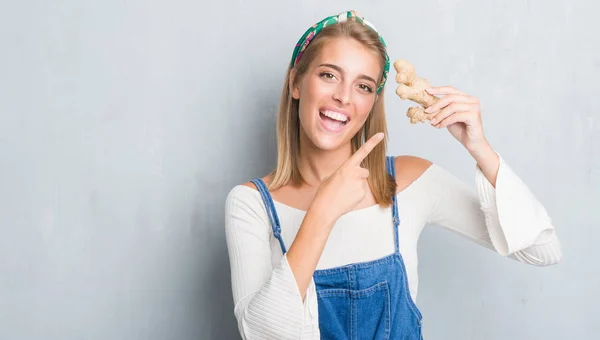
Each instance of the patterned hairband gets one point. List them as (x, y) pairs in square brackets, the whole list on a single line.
[(310, 34)]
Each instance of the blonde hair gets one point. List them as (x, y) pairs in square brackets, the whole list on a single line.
[(382, 185)]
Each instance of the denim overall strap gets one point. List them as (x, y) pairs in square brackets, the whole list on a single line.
[(271, 212), (391, 168)]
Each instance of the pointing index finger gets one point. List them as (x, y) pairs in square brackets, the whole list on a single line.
[(366, 148)]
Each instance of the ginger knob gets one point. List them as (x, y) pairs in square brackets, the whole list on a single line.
[(412, 87)]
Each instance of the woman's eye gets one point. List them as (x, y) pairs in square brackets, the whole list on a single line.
[(327, 75), (366, 88)]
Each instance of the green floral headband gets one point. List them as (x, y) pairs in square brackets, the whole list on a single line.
[(318, 27)]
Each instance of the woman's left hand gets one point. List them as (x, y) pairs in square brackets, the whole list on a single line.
[(460, 113)]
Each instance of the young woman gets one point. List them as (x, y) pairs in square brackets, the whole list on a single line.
[(326, 244)]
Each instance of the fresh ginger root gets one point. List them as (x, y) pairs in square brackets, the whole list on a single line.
[(413, 88)]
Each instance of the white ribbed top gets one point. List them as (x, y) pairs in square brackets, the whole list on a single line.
[(268, 305)]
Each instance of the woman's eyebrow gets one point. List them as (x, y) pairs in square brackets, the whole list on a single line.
[(339, 69)]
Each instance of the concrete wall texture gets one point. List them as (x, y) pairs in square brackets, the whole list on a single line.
[(123, 125)]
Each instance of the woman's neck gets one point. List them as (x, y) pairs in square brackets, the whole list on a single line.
[(315, 164)]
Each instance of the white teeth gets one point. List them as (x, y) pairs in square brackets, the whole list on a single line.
[(335, 115)]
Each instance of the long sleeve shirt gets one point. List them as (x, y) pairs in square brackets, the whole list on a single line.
[(507, 219)]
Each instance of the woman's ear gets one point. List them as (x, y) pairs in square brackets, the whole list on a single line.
[(294, 90)]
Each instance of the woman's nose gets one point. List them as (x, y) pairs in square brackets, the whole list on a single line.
[(343, 94)]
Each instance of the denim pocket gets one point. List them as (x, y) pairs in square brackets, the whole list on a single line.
[(355, 314)]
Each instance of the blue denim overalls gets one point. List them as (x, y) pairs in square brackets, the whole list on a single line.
[(366, 300)]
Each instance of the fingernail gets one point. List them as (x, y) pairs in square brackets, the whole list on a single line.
[(434, 121), (428, 110)]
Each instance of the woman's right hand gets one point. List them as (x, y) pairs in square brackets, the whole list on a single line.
[(341, 191)]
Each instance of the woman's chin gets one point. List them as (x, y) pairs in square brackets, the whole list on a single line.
[(328, 142)]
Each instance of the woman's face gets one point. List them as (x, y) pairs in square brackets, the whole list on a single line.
[(337, 92)]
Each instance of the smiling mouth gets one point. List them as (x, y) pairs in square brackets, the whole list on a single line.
[(333, 121)]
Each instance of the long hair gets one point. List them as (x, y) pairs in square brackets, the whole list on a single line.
[(288, 124)]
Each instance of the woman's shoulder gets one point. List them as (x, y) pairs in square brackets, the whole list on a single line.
[(409, 169), (243, 195), (247, 193), (250, 184)]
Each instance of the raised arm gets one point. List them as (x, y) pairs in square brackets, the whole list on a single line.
[(508, 218)]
